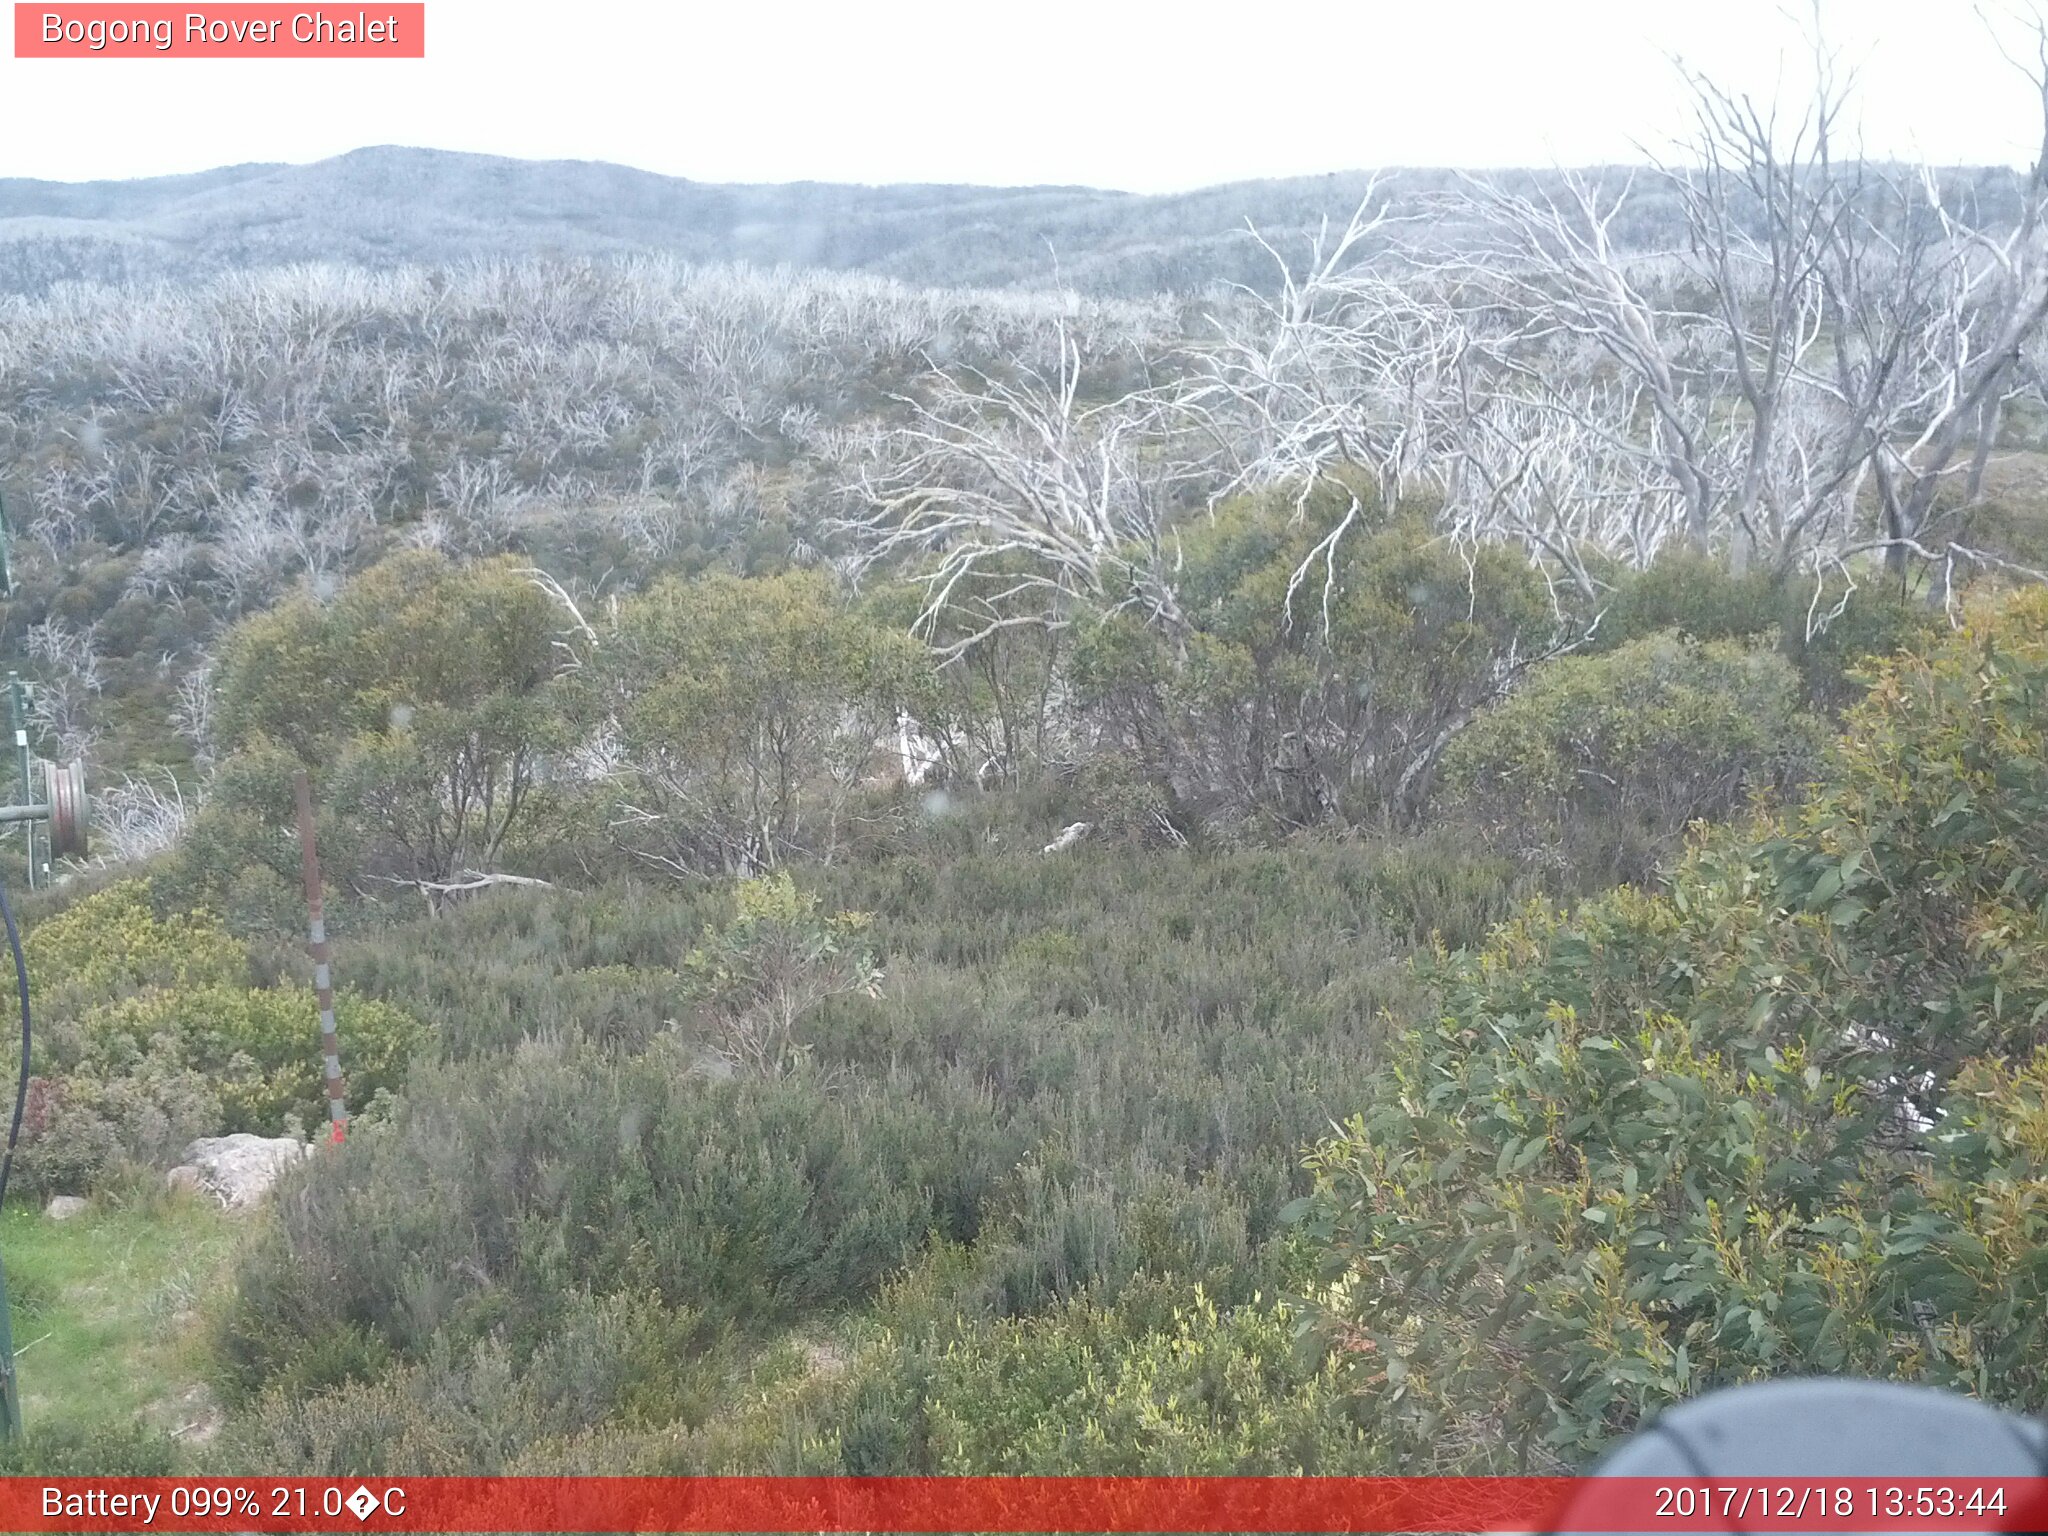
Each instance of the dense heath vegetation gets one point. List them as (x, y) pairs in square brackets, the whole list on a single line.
[(809, 1119), (1389, 872)]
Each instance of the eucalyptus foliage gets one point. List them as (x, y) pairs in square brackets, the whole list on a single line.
[(1788, 1117)]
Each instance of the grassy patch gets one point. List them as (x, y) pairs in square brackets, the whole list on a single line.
[(107, 1312)]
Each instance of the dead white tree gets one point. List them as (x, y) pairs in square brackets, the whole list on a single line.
[(192, 710), (63, 705), (1561, 484), (578, 629), (1816, 368), (137, 818), (1342, 367), (1009, 500), (1831, 326), (253, 549), (164, 569)]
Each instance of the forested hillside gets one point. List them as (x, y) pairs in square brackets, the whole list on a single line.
[(1083, 870)]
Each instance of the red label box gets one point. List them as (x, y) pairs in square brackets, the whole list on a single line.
[(220, 31)]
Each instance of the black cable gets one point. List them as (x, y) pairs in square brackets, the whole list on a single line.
[(21, 1088)]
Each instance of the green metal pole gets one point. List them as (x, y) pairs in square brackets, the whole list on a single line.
[(10, 1389), (17, 699), (17, 706)]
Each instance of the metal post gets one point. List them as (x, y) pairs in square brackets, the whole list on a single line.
[(10, 1389), (17, 704), (323, 980)]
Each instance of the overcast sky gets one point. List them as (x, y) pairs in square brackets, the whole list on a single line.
[(1115, 93)]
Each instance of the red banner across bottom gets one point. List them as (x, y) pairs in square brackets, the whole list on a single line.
[(1019, 1504)]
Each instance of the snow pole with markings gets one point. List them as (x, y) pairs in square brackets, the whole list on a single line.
[(323, 977)]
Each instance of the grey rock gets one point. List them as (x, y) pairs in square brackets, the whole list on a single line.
[(241, 1168)]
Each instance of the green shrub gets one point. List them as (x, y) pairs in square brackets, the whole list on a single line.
[(1695, 595), (114, 944), (1966, 1238), (1875, 624), (84, 1125), (1827, 632), (420, 700), (154, 1037), (1090, 1390), (259, 1049), (759, 976), (1073, 1394), (87, 1115), (1444, 888), (235, 857), (611, 1366), (1127, 1243), (1665, 1144), (750, 712), (58, 1450), (493, 1195), (1084, 1086), (1318, 700), (1632, 746), (511, 965), (1092, 1071)]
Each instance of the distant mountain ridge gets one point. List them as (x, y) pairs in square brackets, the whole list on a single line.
[(388, 205), (392, 206)]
